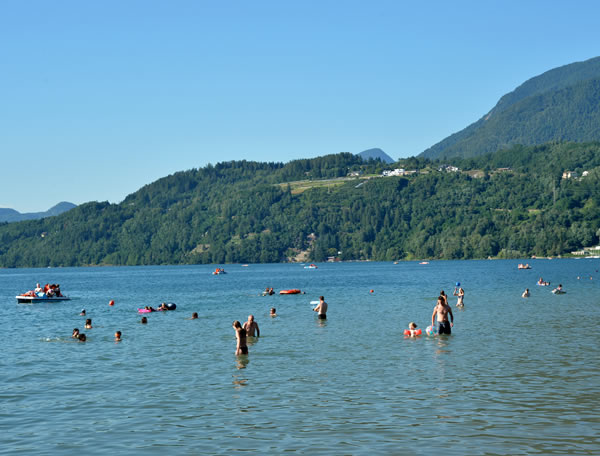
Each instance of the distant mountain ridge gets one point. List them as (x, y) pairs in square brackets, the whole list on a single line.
[(562, 104), (376, 154), (10, 215)]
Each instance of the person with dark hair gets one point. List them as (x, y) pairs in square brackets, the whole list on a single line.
[(88, 323), (81, 337), (240, 335), (273, 312), (441, 312), (321, 308), (194, 315), (144, 320), (118, 336), (75, 334)]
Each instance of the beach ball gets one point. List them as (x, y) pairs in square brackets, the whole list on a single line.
[(458, 284), (431, 330)]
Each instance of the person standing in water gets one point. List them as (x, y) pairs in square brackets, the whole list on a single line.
[(241, 347), (461, 296), (321, 308), (251, 327), (441, 312)]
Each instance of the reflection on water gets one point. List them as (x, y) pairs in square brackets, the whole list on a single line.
[(502, 383)]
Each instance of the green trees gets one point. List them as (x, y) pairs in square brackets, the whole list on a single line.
[(245, 212)]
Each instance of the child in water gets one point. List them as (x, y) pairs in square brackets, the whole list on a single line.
[(118, 336), (412, 330)]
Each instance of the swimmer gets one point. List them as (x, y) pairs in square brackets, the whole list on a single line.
[(558, 289), (321, 308), (194, 315), (444, 296), (81, 337), (88, 323), (82, 312), (273, 312), (441, 312), (144, 320), (241, 347), (412, 327), (75, 334), (461, 296), (251, 327), (118, 336), (525, 293), (163, 306)]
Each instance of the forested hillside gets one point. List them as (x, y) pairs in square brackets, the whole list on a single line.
[(260, 212), (562, 104)]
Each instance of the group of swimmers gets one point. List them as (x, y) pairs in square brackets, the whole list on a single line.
[(81, 337)]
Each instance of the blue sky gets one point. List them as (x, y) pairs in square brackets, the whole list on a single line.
[(100, 98)]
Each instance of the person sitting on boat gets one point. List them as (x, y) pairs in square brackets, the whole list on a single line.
[(50, 293), (38, 289)]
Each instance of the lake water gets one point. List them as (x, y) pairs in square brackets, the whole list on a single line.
[(517, 376)]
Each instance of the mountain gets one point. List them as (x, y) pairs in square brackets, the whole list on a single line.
[(376, 154), (562, 104), (10, 215), (312, 209)]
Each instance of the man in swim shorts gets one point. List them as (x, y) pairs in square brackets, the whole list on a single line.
[(321, 308), (251, 327), (441, 311)]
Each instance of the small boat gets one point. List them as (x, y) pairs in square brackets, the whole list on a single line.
[(28, 299), (219, 271), (424, 262), (523, 266), (286, 292), (311, 266)]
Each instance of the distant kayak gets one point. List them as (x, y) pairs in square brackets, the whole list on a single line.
[(286, 292)]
